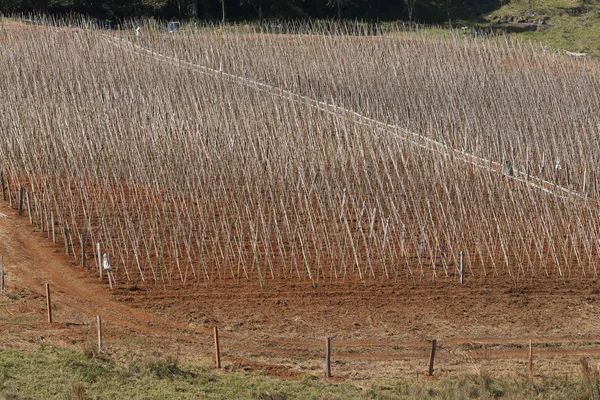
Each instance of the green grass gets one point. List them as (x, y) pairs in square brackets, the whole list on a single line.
[(566, 31), (58, 373)]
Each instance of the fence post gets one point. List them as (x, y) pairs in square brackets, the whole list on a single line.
[(28, 199), (21, 199), (10, 200), (99, 326), (432, 356), (41, 214), (3, 187), (53, 229), (83, 260), (48, 303), (1, 275), (328, 357), (530, 359), (462, 267), (217, 350), (99, 259), (66, 235), (110, 278)]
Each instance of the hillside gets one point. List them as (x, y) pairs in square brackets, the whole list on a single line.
[(570, 25)]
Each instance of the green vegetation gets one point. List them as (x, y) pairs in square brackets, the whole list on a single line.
[(572, 25), (56, 373)]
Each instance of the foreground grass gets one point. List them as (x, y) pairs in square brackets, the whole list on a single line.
[(58, 373)]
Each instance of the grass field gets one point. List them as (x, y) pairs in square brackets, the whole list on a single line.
[(569, 24)]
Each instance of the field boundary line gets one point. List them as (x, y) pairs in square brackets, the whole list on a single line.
[(396, 131)]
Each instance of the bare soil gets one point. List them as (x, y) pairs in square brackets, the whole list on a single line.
[(380, 329)]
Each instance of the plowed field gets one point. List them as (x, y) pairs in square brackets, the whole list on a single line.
[(379, 329)]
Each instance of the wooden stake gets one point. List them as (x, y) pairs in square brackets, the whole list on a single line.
[(48, 303), (1, 275), (217, 350), (83, 260), (99, 259), (99, 326), (21, 199), (110, 280), (462, 267), (432, 356), (66, 235), (10, 201), (328, 357), (3, 187), (41, 214), (29, 208), (52, 224), (530, 359)]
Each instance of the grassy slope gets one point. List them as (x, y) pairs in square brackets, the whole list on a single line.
[(136, 368), (58, 373), (566, 31)]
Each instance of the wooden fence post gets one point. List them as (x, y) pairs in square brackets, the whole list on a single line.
[(41, 214), (1, 275), (52, 223), (110, 279), (217, 350), (462, 267), (48, 303), (99, 259), (21, 199), (83, 260), (28, 200), (328, 357), (432, 356), (66, 235), (99, 326), (10, 201), (530, 359), (3, 187)]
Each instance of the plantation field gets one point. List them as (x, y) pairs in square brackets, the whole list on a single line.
[(380, 332), (317, 183), (227, 155)]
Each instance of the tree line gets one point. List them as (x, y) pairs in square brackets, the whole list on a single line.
[(245, 10)]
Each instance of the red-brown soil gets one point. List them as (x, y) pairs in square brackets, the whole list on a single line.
[(380, 329)]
